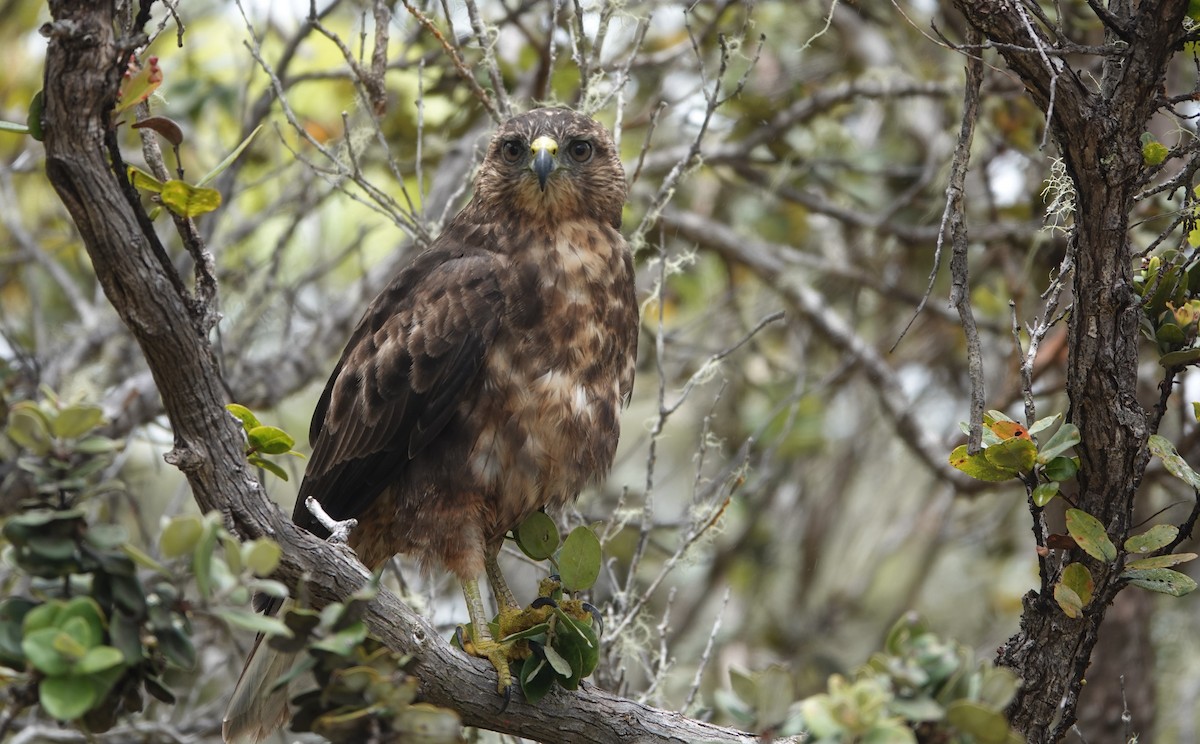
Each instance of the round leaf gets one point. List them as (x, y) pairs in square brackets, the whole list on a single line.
[(1061, 469), (28, 427), (77, 420), (537, 536), (1016, 453), (579, 560), (66, 698), (1043, 494), (262, 556), (180, 536)]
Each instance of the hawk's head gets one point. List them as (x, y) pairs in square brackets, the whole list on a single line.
[(552, 165)]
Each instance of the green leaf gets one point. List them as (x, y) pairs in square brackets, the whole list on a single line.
[(987, 726), (270, 440), (75, 421), (1044, 424), (1089, 533), (1162, 448), (579, 560), (1161, 580), (99, 659), (228, 158), (978, 467), (145, 561), (1017, 454), (202, 558), (532, 631), (1044, 493), (38, 648), (66, 698), (180, 536), (343, 642), (28, 427), (1154, 153), (557, 662), (255, 621), (187, 200), (1061, 469), (177, 647), (1064, 439), (12, 615), (1196, 409), (33, 119), (262, 556), (537, 536), (537, 677), (243, 414), (1158, 536), (1078, 579), (271, 467), (142, 180), (1179, 358), (1161, 561)]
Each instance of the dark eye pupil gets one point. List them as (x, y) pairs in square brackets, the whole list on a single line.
[(581, 150)]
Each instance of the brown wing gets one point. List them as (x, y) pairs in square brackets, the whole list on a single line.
[(414, 356)]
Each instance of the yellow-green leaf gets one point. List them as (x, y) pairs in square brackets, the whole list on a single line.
[(262, 556), (1068, 600), (1163, 449), (978, 467), (1016, 453), (1153, 153), (1158, 536), (1078, 579), (1161, 561), (187, 200), (270, 440), (1089, 533), (243, 414), (143, 180), (180, 536)]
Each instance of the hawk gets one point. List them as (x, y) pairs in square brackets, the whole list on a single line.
[(483, 383)]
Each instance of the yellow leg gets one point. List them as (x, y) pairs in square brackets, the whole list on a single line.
[(504, 596), (481, 643)]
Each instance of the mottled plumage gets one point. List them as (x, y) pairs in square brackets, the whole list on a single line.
[(485, 381)]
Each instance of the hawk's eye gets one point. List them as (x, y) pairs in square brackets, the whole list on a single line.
[(580, 151), (512, 151)]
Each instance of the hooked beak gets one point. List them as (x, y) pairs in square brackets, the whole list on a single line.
[(544, 161)]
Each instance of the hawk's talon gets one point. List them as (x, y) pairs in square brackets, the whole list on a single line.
[(459, 637), (542, 602), (597, 621), (507, 699)]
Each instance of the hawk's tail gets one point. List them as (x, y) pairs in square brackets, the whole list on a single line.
[(254, 711)]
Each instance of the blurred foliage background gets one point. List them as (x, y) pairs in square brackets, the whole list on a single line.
[(782, 493)]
